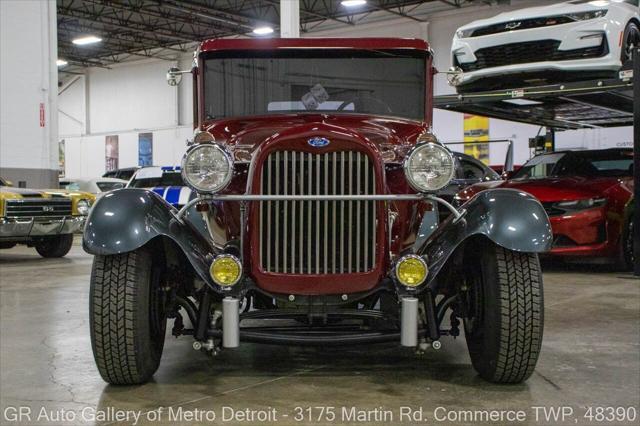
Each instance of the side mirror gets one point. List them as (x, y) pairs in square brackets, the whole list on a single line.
[(508, 161), (506, 175), (174, 76)]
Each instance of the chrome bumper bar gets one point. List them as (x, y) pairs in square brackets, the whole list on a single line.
[(40, 227), (254, 197)]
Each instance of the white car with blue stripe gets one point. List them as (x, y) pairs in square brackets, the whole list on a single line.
[(164, 181)]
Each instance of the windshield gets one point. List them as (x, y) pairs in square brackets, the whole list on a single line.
[(167, 179), (109, 186), (72, 186), (614, 163), (345, 80)]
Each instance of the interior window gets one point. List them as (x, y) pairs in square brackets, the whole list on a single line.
[(471, 171)]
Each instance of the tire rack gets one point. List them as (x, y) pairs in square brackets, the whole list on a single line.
[(576, 105)]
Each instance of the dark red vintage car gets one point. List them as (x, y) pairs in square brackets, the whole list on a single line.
[(316, 220), (588, 196)]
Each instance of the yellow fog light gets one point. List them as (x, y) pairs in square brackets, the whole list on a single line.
[(226, 270), (411, 271)]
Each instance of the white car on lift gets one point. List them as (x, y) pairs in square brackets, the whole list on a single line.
[(568, 41)]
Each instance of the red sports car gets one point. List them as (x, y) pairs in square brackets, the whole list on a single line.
[(588, 196)]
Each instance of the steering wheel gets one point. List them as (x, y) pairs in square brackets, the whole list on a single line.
[(366, 103)]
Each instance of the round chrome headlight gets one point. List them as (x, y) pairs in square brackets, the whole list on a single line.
[(83, 207), (207, 168), (429, 167)]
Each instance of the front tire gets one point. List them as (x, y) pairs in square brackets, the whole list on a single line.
[(57, 246), (505, 314), (127, 317), (630, 39)]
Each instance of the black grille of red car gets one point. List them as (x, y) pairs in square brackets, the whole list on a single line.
[(522, 53), (38, 207), (563, 241), (552, 210), (318, 237), (523, 24)]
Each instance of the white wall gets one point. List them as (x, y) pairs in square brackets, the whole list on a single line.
[(28, 79), (125, 100), (134, 97), (72, 107), (85, 155)]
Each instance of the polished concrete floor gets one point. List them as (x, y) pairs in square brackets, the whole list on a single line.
[(590, 358)]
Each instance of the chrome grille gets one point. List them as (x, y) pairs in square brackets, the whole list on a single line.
[(38, 207), (313, 236)]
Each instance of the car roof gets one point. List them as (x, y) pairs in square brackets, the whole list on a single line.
[(107, 179), (165, 169), (317, 43)]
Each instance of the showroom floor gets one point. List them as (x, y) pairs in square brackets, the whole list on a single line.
[(590, 357)]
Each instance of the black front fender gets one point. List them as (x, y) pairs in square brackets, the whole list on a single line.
[(512, 219), (127, 219)]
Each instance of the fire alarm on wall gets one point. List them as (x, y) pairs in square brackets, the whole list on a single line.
[(41, 114)]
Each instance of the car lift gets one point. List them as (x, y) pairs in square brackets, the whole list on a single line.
[(575, 105), (585, 104)]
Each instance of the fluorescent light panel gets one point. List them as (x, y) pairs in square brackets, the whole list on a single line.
[(353, 3), (263, 30), (82, 41)]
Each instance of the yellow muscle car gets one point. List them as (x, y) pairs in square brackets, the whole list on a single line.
[(42, 218)]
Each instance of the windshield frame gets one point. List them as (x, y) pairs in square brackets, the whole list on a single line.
[(200, 89), (561, 155)]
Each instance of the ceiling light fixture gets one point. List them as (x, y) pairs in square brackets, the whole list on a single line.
[(61, 62), (353, 3), (82, 41), (263, 30)]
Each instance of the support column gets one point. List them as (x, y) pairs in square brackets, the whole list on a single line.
[(289, 18), (29, 88), (636, 159)]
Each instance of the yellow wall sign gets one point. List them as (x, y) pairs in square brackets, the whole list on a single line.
[(476, 129)]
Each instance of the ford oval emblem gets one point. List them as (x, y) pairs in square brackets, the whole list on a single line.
[(318, 142)]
